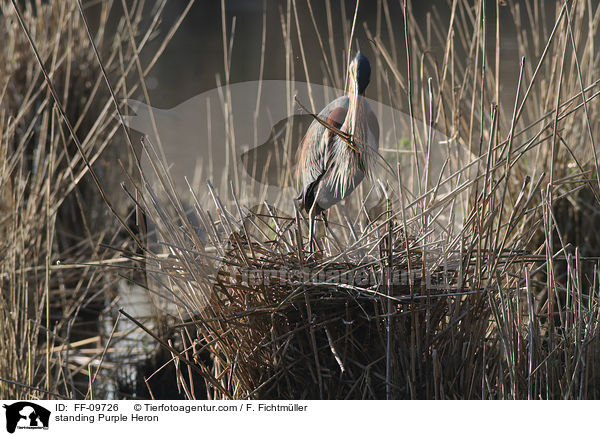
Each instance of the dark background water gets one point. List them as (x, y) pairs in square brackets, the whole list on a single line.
[(195, 56)]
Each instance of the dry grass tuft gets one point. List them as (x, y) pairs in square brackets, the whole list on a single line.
[(55, 301)]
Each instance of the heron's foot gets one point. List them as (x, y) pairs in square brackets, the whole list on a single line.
[(313, 257), (313, 252), (310, 258)]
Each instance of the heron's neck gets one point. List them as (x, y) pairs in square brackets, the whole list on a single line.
[(356, 112)]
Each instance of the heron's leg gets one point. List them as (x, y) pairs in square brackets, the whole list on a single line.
[(324, 213), (311, 231), (312, 214)]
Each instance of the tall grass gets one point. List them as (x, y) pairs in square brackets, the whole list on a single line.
[(55, 226), (504, 296)]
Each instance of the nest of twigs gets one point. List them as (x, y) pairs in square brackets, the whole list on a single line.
[(325, 327)]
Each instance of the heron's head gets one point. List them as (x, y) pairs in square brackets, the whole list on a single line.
[(360, 72)]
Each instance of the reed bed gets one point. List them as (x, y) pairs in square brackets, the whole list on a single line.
[(55, 226), (475, 280)]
